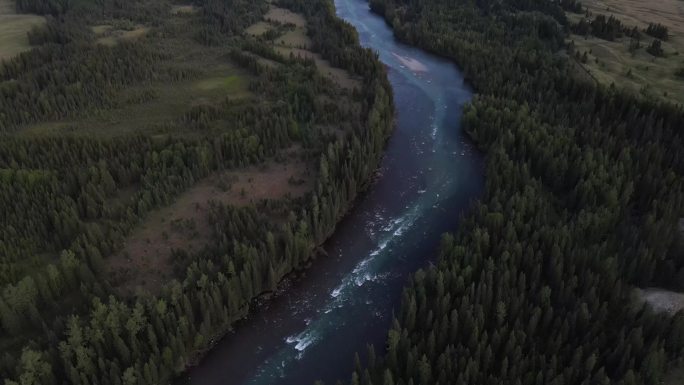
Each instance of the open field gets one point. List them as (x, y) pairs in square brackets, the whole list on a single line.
[(108, 35), (13, 29), (183, 9), (145, 261), (661, 300), (259, 28), (164, 104), (611, 61), (157, 107), (296, 42), (285, 16)]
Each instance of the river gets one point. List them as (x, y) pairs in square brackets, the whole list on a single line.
[(428, 177)]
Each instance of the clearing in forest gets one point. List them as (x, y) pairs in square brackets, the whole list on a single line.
[(635, 69), (14, 28), (183, 9), (145, 263), (295, 41), (156, 109), (661, 300), (110, 35)]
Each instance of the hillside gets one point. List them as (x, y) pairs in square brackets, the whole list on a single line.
[(161, 167)]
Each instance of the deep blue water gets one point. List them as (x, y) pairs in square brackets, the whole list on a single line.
[(429, 176)]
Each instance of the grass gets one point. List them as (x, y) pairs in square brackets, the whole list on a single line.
[(285, 16), (160, 114), (183, 9), (108, 35), (259, 28), (144, 264), (295, 38), (231, 84), (612, 62), (156, 108), (13, 30), (296, 41)]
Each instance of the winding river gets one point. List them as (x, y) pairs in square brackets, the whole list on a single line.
[(429, 176)]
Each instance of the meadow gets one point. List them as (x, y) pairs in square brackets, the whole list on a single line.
[(612, 62), (14, 28)]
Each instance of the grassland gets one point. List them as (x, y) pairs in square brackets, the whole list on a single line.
[(109, 35), (611, 62), (144, 263), (162, 107), (158, 107), (14, 28), (293, 40)]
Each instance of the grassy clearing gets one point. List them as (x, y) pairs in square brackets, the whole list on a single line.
[(285, 16), (13, 29), (259, 28), (296, 42), (110, 36), (144, 263), (231, 84), (338, 75), (295, 38), (183, 9), (159, 114), (611, 61)]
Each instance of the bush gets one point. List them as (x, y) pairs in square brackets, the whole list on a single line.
[(655, 48)]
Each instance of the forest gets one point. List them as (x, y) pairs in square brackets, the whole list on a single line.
[(74, 189), (582, 203)]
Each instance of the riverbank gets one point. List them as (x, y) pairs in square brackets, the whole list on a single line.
[(430, 172)]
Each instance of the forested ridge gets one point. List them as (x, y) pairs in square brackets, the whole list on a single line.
[(583, 196), (68, 201)]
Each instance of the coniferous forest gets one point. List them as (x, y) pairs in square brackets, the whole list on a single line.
[(70, 198), (582, 203), (584, 192)]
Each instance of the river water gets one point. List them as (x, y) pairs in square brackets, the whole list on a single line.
[(429, 176)]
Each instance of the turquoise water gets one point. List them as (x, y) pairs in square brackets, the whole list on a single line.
[(429, 175)]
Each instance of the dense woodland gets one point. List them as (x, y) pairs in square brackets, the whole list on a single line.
[(69, 201), (584, 192)]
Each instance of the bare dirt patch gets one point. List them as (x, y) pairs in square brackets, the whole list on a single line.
[(144, 264), (660, 300), (335, 74)]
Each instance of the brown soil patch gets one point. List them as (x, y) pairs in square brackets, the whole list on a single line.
[(144, 264)]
